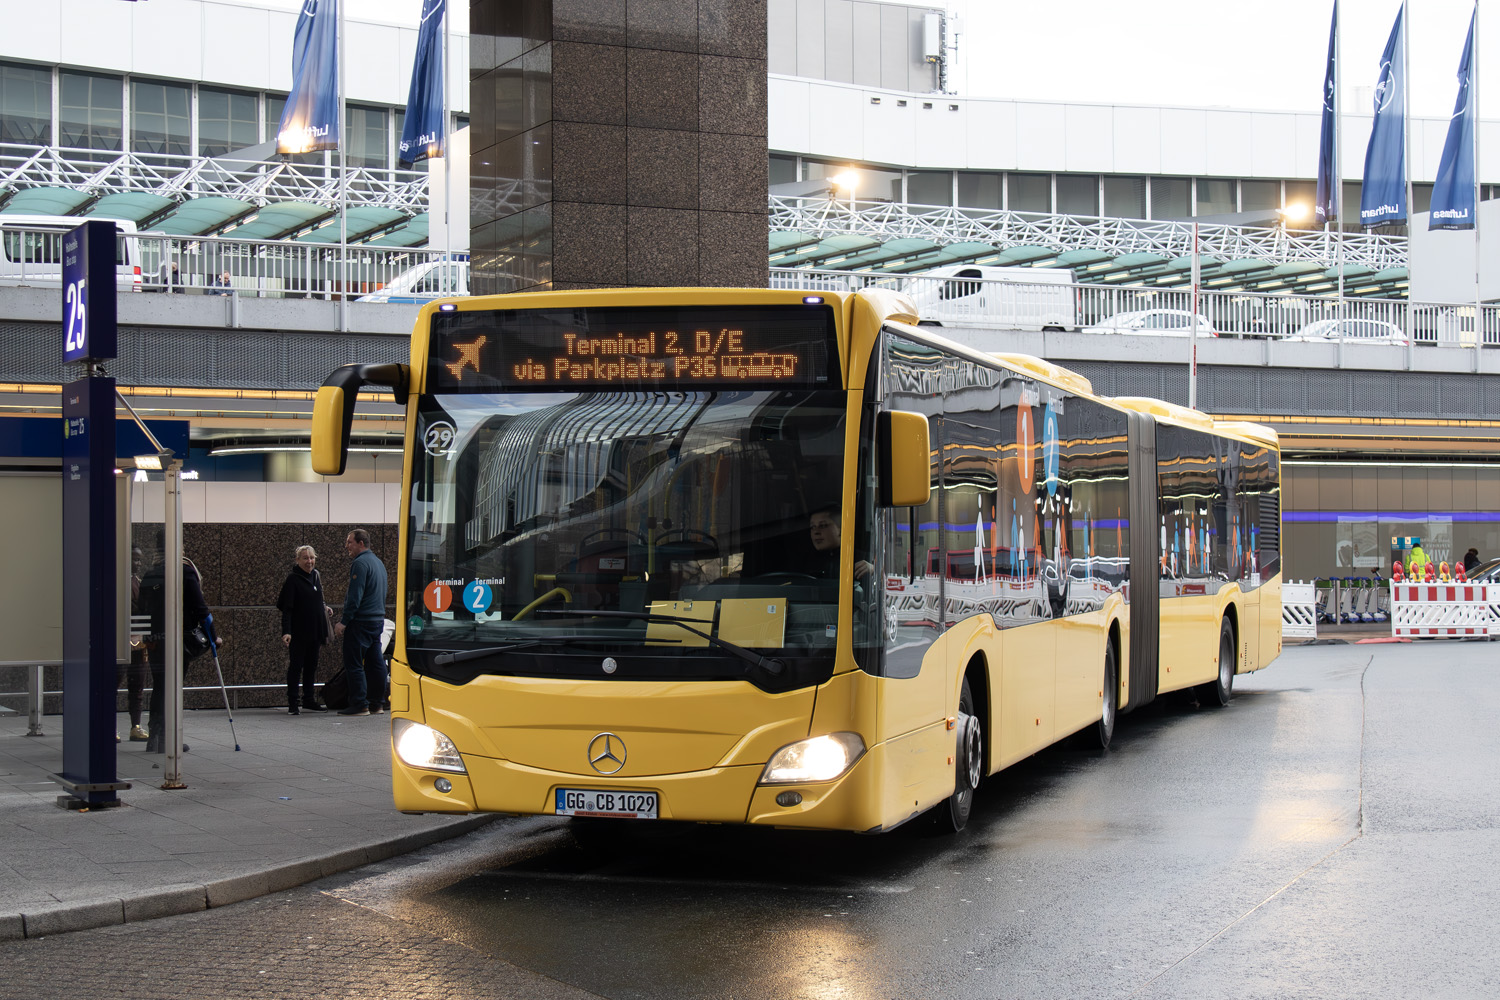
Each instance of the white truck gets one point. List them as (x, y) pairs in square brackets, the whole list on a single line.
[(1004, 298)]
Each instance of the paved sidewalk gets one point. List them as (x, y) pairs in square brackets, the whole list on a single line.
[(307, 796)]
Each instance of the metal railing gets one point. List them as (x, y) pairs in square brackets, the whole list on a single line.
[(1013, 305), (97, 173), (882, 221), (217, 265)]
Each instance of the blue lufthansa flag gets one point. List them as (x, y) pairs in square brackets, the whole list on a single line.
[(1327, 206), (1383, 196), (1453, 193), (423, 135), (310, 120)]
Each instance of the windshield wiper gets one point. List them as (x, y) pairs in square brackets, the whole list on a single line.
[(768, 664), (463, 656)]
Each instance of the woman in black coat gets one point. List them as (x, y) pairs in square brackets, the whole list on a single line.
[(304, 628)]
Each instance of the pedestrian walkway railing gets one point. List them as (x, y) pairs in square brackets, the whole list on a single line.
[(1008, 304)]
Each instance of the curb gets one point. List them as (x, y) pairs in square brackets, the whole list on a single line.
[(190, 897)]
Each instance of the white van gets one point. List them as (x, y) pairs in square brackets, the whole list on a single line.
[(436, 279), (1005, 298), (32, 250)]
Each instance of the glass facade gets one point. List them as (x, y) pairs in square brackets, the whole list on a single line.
[(161, 118), (1125, 197), (979, 190), (1215, 196), (1171, 197), (929, 187), (227, 120), (25, 105), (1029, 192), (91, 111), (369, 137), (1078, 194), (1258, 196)]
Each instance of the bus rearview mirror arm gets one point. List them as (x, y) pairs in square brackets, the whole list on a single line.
[(333, 410)]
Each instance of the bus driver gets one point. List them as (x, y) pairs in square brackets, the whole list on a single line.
[(823, 525)]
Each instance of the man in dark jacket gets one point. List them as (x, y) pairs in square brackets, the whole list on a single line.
[(360, 624)]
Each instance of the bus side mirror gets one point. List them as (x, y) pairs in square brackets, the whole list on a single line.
[(333, 410), (905, 459)]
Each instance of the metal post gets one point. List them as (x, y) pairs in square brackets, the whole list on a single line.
[(343, 189), (1474, 96), (1193, 328), (172, 626), (37, 691), (1338, 171)]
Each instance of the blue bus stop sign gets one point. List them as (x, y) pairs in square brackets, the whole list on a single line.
[(88, 292)]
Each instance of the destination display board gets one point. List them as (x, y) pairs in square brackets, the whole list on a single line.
[(634, 348)]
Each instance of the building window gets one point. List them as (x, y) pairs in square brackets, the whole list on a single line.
[(1029, 192), (783, 170), (368, 137), (1171, 198), (1125, 197), (274, 107), (226, 120), (161, 118), (1215, 197), (1078, 194), (25, 105), (929, 187), (91, 112), (1421, 198), (1260, 196), (1303, 194), (977, 190), (872, 183)]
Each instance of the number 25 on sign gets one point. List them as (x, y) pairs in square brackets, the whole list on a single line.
[(76, 318)]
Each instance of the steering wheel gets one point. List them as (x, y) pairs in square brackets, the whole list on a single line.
[(785, 577)]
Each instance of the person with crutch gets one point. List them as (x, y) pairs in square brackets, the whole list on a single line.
[(360, 624), (194, 614)]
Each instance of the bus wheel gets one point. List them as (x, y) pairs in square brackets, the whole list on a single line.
[(1105, 730), (968, 765), (1221, 689)]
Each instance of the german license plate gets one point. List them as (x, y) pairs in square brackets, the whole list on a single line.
[(614, 805)]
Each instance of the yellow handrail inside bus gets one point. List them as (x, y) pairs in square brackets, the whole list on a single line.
[(549, 595)]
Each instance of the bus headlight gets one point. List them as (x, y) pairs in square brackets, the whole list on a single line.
[(423, 746), (821, 758)]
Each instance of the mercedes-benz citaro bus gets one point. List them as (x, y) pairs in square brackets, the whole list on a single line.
[(774, 557)]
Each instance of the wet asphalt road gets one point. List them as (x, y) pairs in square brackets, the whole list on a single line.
[(1333, 833)]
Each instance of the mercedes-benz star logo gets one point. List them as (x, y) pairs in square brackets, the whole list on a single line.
[(606, 753)]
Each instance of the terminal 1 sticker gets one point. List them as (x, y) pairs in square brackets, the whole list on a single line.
[(437, 596), (478, 596)]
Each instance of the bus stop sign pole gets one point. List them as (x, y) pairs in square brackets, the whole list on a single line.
[(88, 502)]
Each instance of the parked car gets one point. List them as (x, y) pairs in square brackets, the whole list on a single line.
[(32, 250), (435, 279), (1366, 331), (1487, 571), (1160, 322), (1005, 298)]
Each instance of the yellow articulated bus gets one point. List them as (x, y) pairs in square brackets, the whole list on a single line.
[(753, 556)]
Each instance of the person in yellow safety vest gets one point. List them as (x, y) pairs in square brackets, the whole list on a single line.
[(1418, 562)]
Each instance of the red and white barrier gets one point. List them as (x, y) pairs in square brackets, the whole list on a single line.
[(1445, 609)]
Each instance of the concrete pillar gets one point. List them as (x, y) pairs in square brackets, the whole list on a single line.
[(617, 143)]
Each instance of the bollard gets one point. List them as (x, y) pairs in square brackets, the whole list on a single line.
[(34, 695)]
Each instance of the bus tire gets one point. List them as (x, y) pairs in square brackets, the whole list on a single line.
[(1104, 730), (968, 765), (1220, 690)]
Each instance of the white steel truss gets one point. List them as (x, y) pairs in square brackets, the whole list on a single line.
[(823, 217)]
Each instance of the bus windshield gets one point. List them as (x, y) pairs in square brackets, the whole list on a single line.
[(627, 535)]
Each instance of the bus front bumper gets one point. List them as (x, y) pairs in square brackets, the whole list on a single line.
[(856, 801)]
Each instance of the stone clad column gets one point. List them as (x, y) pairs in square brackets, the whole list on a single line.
[(617, 143)]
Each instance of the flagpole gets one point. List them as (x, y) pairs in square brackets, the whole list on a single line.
[(1474, 97), (1338, 169), (448, 154), (1411, 317), (343, 188)]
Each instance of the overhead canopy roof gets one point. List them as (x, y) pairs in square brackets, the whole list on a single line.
[(413, 233), (133, 206), (360, 222), (203, 215), (274, 221), (45, 201)]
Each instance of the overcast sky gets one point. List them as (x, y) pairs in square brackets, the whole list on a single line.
[(1269, 54)]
